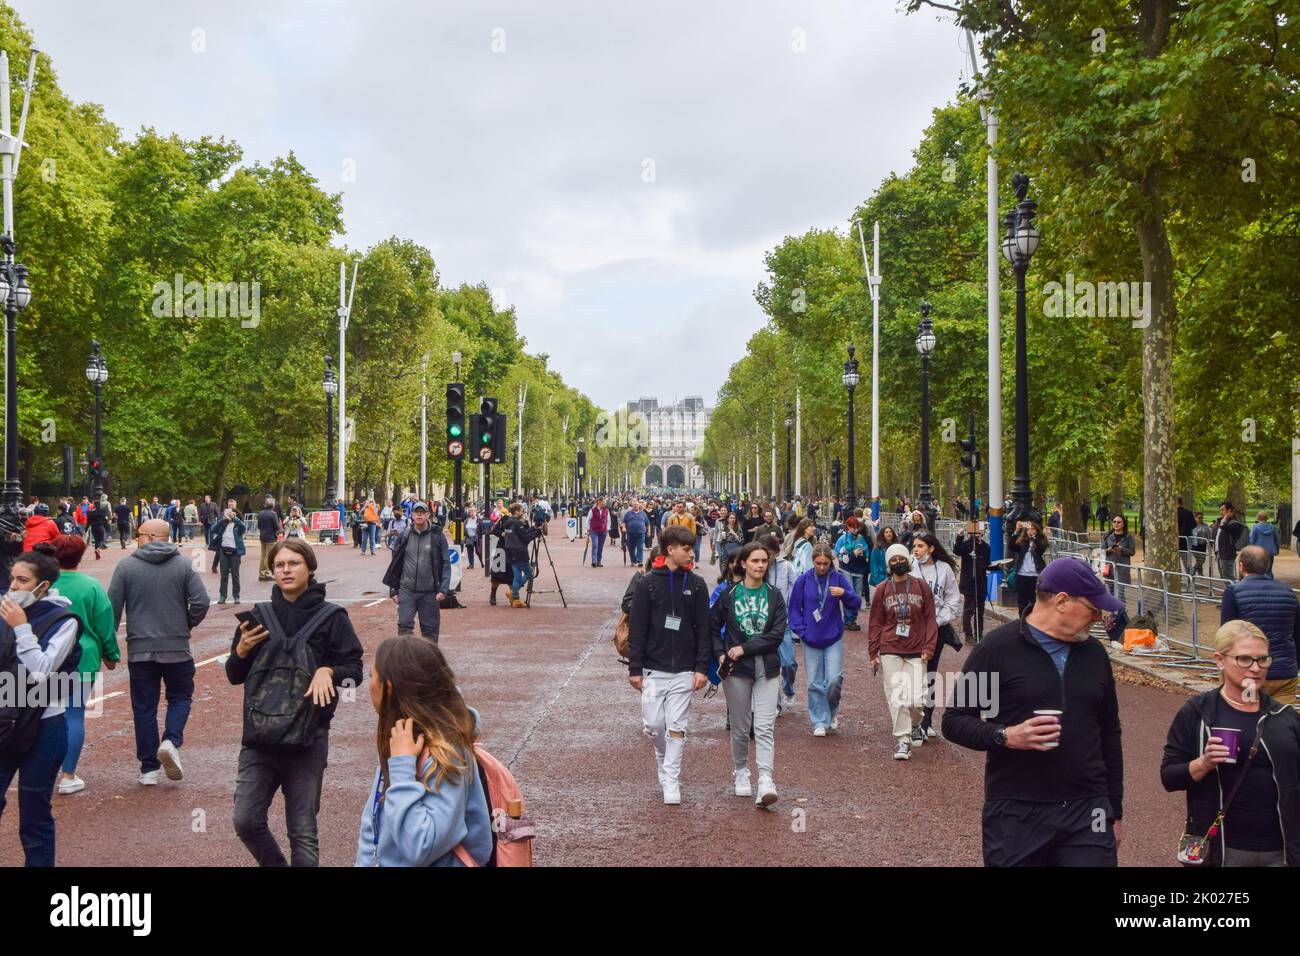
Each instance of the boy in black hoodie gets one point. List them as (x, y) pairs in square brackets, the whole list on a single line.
[(669, 651), (297, 600)]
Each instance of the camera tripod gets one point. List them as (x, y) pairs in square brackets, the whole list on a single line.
[(539, 543)]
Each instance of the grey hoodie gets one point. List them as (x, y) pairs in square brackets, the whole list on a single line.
[(163, 598)]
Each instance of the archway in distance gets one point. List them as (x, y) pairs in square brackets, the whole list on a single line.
[(654, 476), (676, 476)]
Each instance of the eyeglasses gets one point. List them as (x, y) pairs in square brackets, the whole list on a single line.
[(1097, 613), (287, 565), (1244, 661)]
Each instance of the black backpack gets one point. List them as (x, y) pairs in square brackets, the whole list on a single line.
[(277, 712), (20, 725)]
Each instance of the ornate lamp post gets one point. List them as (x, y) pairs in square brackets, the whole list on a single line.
[(850, 380), (925, 342), (789, 426), (1018, 247), (331, 387), (97, 375), (16, 296)]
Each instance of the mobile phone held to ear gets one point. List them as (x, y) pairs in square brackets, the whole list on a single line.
[(246, 617)]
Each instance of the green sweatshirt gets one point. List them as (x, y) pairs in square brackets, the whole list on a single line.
[(91, 605)]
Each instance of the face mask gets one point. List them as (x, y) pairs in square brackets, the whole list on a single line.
[(898, 568), (24, 599)]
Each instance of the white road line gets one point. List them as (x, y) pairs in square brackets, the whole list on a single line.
[(374, 603), (219, 657), (95, 700)]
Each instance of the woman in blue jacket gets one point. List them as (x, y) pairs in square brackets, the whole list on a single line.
[(879, 571), (816, 616), (427, 806), (854, 551)]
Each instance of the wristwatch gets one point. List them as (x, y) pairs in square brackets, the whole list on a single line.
[(1000, 736)]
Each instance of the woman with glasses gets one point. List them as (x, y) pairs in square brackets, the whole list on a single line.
[(1120, 548), (1235, 747)]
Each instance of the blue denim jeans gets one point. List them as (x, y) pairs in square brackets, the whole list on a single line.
[(521, 574), (370, 536), (636, 548), (851, 613), (825, 674), (597, 546), (37, 770), (789, 663), (75, 711), (147, 680)]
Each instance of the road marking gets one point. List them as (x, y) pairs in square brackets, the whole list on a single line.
[(96, 700), (374, 603), (219, 657)]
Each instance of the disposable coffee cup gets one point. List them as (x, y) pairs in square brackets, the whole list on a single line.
[(1051, 713), (1231, 738)]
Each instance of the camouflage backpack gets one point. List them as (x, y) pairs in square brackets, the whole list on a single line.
[(277, 712)]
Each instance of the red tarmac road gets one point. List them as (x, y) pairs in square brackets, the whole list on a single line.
[(556, 707)]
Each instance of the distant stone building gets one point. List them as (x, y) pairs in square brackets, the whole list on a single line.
[(676, 437)]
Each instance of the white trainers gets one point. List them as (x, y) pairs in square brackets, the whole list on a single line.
[(766, 792), (918, 736), (170, 758), (149, 779), (743, 786), (835, 723), (819, 731), (73, 784), (931, 733), (903, 751), (672, 794)]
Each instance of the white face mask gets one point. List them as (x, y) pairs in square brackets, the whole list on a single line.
[(24, 599)]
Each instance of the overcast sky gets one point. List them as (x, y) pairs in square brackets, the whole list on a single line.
[(615, 170)]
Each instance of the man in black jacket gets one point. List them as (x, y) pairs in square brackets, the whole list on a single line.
[(419, 574), (1226, 533), (669, 650), (1054, 777), (268, 528), (298, 607), (973, 552)]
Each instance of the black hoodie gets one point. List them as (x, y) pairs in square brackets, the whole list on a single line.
[(651, 645), (333, 645)]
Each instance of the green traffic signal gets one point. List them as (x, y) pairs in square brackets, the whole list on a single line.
[(453, 430)]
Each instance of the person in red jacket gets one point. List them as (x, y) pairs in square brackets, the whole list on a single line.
[(597, 529), (901, 639), (40, 527)]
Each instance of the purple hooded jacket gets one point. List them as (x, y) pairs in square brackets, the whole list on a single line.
[(805, 599)]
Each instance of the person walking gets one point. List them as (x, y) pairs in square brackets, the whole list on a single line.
[(176, 520), (428, 806), (39, 626), (731, 536), (208, 514), (936, 568), (88, 600), (370, 527), (1027, 552), (1243, 802), (853, 549), (123, 514), (597, 531), (1199, 543), (268, 529), (901, 638), (1054, 774), (419, 575), (973, 553), (1228, 534), (469, 539), (669, 648), (163, 599), (226, 541), (1119, 548), (819, 604), (781, 575), (100, 515), (753, 615), (636, 524), (39, 526), (1272, 607), (289, 752), (879, 569), (1264, 534)]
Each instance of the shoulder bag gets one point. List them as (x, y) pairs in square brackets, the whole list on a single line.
[(1195, 850)]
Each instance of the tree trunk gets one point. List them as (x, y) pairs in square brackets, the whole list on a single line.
[(949, 482), (1069, 497), (1117, 493), (1237, 495), (386, 482), (1161, 548), (223, 465)]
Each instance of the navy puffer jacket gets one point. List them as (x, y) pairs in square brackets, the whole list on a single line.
[(1272, 607)]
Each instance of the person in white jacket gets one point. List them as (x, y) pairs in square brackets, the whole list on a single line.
[(933, 565)]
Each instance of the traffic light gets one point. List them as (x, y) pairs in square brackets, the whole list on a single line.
[(835, 474), (499, 440), (970, 458), (582, 463), (302, 475), (95, 469), (484, 441), (455, 420)]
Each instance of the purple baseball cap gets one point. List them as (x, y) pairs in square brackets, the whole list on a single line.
[(1077, 579)]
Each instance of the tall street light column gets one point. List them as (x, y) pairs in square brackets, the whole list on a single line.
[(925, 342), (1018, 247), (97, 375), (330, 386), (850, 380), (16, 296), (789, 426)]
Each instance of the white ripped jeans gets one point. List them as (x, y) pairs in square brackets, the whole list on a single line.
[(665, 712)]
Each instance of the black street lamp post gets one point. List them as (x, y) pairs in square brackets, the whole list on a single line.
[(789, 424), (16, 296), (331, 387), (1018, 247), (97, 375), (925, 342), (850, 380)]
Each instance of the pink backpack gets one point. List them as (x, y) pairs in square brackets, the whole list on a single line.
[(512, 835)]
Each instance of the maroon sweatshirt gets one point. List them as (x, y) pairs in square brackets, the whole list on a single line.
[(882, 633)]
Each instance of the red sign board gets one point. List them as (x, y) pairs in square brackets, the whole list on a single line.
[(324, 521)]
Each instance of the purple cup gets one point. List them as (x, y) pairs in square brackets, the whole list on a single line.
[(1231, 738)]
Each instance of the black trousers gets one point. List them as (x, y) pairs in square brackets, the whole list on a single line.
[(972, 613), (298, 773), (1026, 592), (1061, 833), (123, 533)]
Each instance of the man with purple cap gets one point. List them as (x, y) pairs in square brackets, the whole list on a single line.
[(1038, 695)]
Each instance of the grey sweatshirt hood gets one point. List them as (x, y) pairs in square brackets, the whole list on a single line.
[(156, 552)]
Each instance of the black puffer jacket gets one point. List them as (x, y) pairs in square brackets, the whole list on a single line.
[(1278, 731)]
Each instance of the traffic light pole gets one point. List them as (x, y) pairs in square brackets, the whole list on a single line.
[(458, 517), (970, 427)]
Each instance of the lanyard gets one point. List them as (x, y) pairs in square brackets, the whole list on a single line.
[(822, 591), (376, 810), (672, 598)]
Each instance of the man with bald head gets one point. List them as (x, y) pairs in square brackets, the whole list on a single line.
[(164, 599)]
